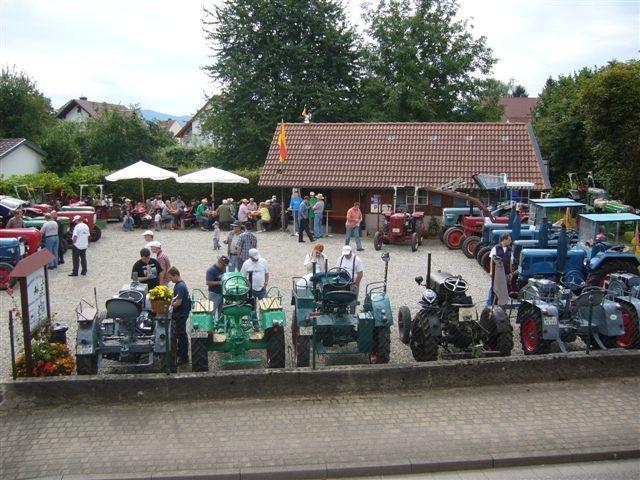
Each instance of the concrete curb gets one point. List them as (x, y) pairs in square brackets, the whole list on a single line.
[(403, 466), (326, 381)]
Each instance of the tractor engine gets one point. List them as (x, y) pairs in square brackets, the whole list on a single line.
[(445, 295), (396, 224), (622, 284), (546, 289)]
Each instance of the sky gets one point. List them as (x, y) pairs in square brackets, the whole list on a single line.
[(150, 52)]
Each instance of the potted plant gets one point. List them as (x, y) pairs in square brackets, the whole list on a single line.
[(160, 297), (49, 359)]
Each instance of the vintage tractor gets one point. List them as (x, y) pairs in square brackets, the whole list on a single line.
[(246, 323), (550, 317), (92, 195), (88, 216), (325, 321), (127, 332), (12, 250), (448, 319), (399, 227), (36, 222), (624, 288), (453, 216)]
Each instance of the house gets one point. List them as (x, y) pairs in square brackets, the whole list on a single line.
[(191, 135), (363, 162), (517, 109), (79, 109), (18, 156), (170, 125)]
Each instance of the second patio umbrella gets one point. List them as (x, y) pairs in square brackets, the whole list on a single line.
[(141, 170), (212, 175)]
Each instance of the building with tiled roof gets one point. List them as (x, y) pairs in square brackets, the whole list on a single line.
[(365, 161), (18, 156), (191, 134), (170, 125), (79, 109), (518, 109)]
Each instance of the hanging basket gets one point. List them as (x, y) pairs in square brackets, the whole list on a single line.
[(159, 307)]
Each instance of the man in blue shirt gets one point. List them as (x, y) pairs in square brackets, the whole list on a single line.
[(214, 281), (181, 304), (294, 206), (303, 218)]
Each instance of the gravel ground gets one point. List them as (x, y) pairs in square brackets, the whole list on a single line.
[(111, 258)]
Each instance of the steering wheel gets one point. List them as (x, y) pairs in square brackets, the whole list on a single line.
[(455, 284), (337, 279), (134, 295), (616, 248), (573, 280)]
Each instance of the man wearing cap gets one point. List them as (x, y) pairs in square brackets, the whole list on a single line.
[(163, 260), (49, 231), (318, 210), (243, 211), (303, 218), (232, 245), (353, 266), (246, 242), (148, 240), (214, 281), (256, 269), (201, 215), (80, 243)]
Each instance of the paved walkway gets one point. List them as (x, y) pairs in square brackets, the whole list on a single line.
[(213, 436)]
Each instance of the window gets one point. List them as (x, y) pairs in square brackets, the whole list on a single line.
[(459, 202), (406, 197), (436, 200)]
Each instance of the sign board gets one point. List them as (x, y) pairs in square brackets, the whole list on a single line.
[(386, 207), (375, 203), (36, 293)]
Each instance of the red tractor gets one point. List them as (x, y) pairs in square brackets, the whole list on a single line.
[(15, 244), (88, 216), (400, 227)]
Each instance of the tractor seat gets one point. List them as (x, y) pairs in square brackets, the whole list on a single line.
[(339, 298), (123, 308)]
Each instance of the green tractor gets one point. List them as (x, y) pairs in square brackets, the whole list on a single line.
[(246, 323)]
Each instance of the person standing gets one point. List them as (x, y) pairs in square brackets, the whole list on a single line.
[(216, 236), (256, 269), (502, 252), (352, 225), (80, 243), (246, 242), (243, 211), (214, 281), (353, 266), (179, 206), (147, 269), (232, 246), (54, 217), (163, 260), (303, 219), (225, 217), (312, 214), (49, 231), (318, 209), (275, 209), (294, 205), (17, 221), (181, 305)]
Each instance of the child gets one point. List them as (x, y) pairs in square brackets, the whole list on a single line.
[(157, 220), (216, 236)]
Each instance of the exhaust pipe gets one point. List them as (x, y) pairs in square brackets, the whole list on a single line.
[(428, 280)]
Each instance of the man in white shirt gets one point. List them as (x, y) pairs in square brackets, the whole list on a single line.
[(148, 243), (80, 240), (259, 270), (353, 265), (243, 211)]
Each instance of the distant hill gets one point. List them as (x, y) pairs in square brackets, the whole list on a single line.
[(153, 115)]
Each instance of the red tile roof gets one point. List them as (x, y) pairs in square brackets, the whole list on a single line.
[(7, 145), (94, 109), (517, 109), (381, 155)]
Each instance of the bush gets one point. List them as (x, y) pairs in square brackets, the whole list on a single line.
[(47, 181), (88, 174)]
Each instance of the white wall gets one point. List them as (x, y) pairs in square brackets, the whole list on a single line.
[(76, 116), (21, 161)]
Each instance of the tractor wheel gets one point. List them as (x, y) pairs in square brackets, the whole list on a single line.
[(630, 339), (87, 364), (601, 276), (96, 234), (404, 324), (301, 345), (377, 241), (441, 231), (275, 347), (5, 280), (501, 342), (485, 261), (381, 345), (480, 253), (414, 242), (199, 355), (452, 238), (531, 332), (469, 245), (424, 346)]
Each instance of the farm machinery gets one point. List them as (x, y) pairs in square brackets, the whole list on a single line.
[(325, 321), (15, 244), (448, 319), (246, 323), (126, 332), (399, 227), (624, 288), (583, 188)]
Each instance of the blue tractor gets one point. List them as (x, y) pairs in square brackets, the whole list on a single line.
[(12, 250)]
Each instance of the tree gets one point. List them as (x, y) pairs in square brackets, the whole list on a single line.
[(559, 126), (423, 64), (519, 91), (272, 57), (62, 146), (610, 105), (24, 110)]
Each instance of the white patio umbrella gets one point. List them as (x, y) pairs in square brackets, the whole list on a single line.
[(211, 175), (141, 170)]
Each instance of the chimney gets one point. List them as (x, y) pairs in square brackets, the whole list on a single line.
[(83, 98)]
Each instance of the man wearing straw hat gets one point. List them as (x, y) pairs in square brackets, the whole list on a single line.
[(318, 210)]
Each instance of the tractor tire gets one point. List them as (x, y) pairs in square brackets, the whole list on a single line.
[(441, 231), (424, 346), (404, 324), (477, 249), (485, 261), (199, 355), (96, 234), (377, 241), (381, 345), (496, 341), (531, 331), (469, 245), (87, 364), (414, 242), (301, 345), (481, 253), (630, 339), (5, 280), (275, 347), (452, 238), (600, 277)]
